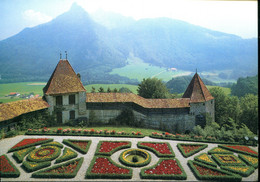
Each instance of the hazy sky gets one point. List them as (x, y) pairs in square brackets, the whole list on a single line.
[(235, 17)]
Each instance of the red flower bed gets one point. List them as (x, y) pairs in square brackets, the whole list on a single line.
[(159, 147), (64, 169), (167, 166), (5, 166), (109, 146), (81, 144), (207, 171), (242, 148), (103, 166), (189, 148), (28, 142)]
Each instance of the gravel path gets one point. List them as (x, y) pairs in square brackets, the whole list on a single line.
[(6, 144)]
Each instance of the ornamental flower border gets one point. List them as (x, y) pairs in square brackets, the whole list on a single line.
[(30, 145), (179, 146), (90, 175), (34, 166), (54, 143), (76, 147), (78, 132), (20, 154), (9, 174), (241, 173), (220, 162), (66, 157), (113, 150), (33, 158), (224, 151), (197, 158), (229, 177), (132, 164), (239, 151), (43, 174), (157, 153), (182, 176), (243, 157)]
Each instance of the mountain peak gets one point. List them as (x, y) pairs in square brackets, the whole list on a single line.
[(76, 7)]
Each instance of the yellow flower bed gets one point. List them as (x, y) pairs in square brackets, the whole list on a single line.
[(206, 158), (46, 153), (239, 168)]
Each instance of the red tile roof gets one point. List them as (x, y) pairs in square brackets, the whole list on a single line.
[(13, 109), (130, 97), (197, 91), (63, 80)]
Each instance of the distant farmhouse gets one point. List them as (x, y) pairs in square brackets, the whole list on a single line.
[(66, 98)]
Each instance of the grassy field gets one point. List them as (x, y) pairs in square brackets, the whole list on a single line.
[(137, 69), (227, 91)]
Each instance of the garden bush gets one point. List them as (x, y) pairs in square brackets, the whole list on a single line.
[(20, 154), (7, 168), (34, 166)]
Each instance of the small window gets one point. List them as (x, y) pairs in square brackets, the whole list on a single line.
[(59, 100), (72, 114), (72, 99)]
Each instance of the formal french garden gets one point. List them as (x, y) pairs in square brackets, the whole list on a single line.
[(106, 155)]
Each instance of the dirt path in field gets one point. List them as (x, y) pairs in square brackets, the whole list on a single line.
[(6, 144)]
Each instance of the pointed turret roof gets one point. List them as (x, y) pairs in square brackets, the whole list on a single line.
[(63, 80), (197, 91)]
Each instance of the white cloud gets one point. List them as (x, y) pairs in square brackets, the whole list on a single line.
[(35, 17)]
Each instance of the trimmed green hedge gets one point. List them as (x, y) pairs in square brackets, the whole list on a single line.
[(76, 147), (20, 154), (13, 174), (44, 174), (249, 160), (90, 175), (155, 151), (212, 163), (182, 176), (86, 134), (226, 177), (112, 151), (239, 170), (34, 166), (228, 158), (30, 145), (57, 144), (67, 155), (134, 164), (179, 146), (240, 151)]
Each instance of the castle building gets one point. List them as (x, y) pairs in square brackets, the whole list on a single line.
[(66, 98)]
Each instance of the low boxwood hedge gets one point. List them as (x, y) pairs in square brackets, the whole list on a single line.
[(112, 175), (157, 153), (164, 174), (113, 150), (252, 161), (7, 168), (67, 155), (57, 144), (20, 154), (192, 152), (134, 164), (34, 166), (35, 157), (227, 160), (203, 172), (218, 150), (70, 143), (244, 171), (63, 170), (27, 144)]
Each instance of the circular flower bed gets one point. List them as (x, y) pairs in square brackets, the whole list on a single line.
[(46, 153), (135, 157)]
